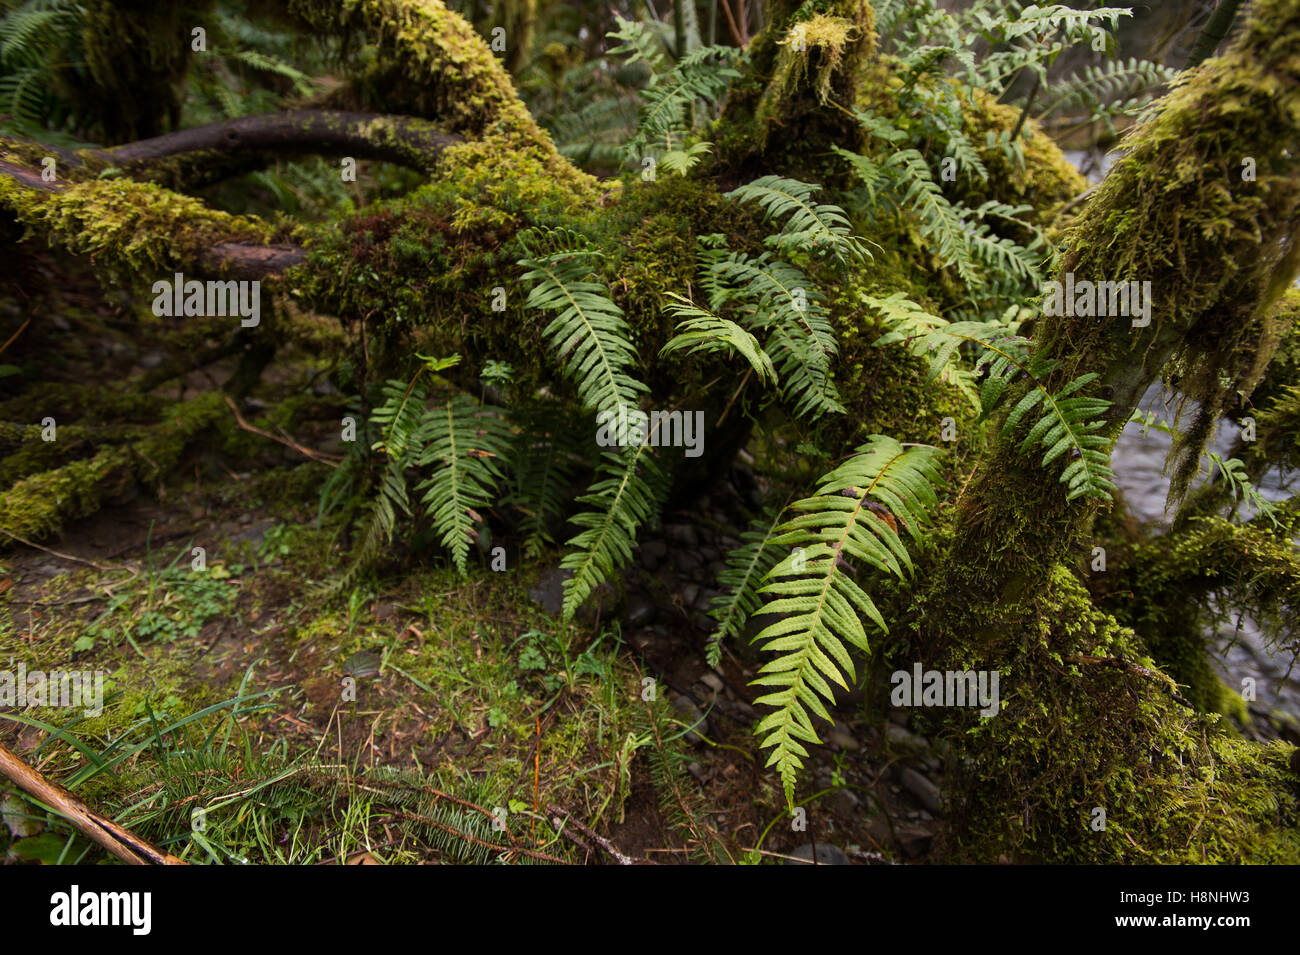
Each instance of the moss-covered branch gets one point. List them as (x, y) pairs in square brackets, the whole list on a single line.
[(204, 154), (127, 227), (430, 63), (1218, 250)]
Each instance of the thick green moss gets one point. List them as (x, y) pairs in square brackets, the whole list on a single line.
[(1089, 722), (128, 229), (1172, 579), (39, 505), (429, 62)]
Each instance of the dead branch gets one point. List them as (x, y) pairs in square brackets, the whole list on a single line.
[(104, 832)]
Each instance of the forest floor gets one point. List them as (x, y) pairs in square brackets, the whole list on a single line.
[(232, 685), (473, 678)]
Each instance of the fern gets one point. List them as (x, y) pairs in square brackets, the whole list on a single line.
[(589, 332), (1068, 422), (545, 463), (808, 225), (701, 75), (854, 514), (467, 444), (779, 301), (746, 566), (703, 331), (623, 498)]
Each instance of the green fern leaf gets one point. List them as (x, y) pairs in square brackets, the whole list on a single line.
[(466, 444), (624, 497), (746, 566), (808, 225), (821, 607), (702, 331), (589, 332)]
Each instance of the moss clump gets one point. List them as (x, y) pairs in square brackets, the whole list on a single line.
[(809, 54), (1218, 248), (1089, 723), (128, 228), (1181, 583), (41, 504), (429, 62)]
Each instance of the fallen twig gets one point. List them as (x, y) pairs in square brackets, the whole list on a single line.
[(319, 456), (563, 817), (104, 832)]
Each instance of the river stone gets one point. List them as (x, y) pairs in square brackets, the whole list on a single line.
[(826, 855)]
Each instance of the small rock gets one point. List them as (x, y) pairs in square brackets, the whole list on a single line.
[(924, 790), (703, 622), (683, 535), (705, 600), (841, 739), (712, 681), (845, 802), (825, 854), (687, 561), (548, 592), (901, 738), (657, 548), (363, 663), (915, 841), (696, 770), (689, 594), (640, 610)]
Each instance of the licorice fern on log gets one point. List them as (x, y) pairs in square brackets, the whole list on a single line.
[(820, 606), (1068, 422)]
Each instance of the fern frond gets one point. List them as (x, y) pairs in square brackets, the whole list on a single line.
[(1117, 87), (700, 330), (746, 566), (589, 333), (544, 465), (808, 224), (466, 444), (1068, 422), (782, 302), (623, 498), (821, 607)]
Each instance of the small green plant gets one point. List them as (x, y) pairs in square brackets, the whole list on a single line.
[(164, 604)]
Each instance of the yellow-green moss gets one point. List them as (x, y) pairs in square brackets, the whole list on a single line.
[(127, 228), (39, 505), (431, 63)]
